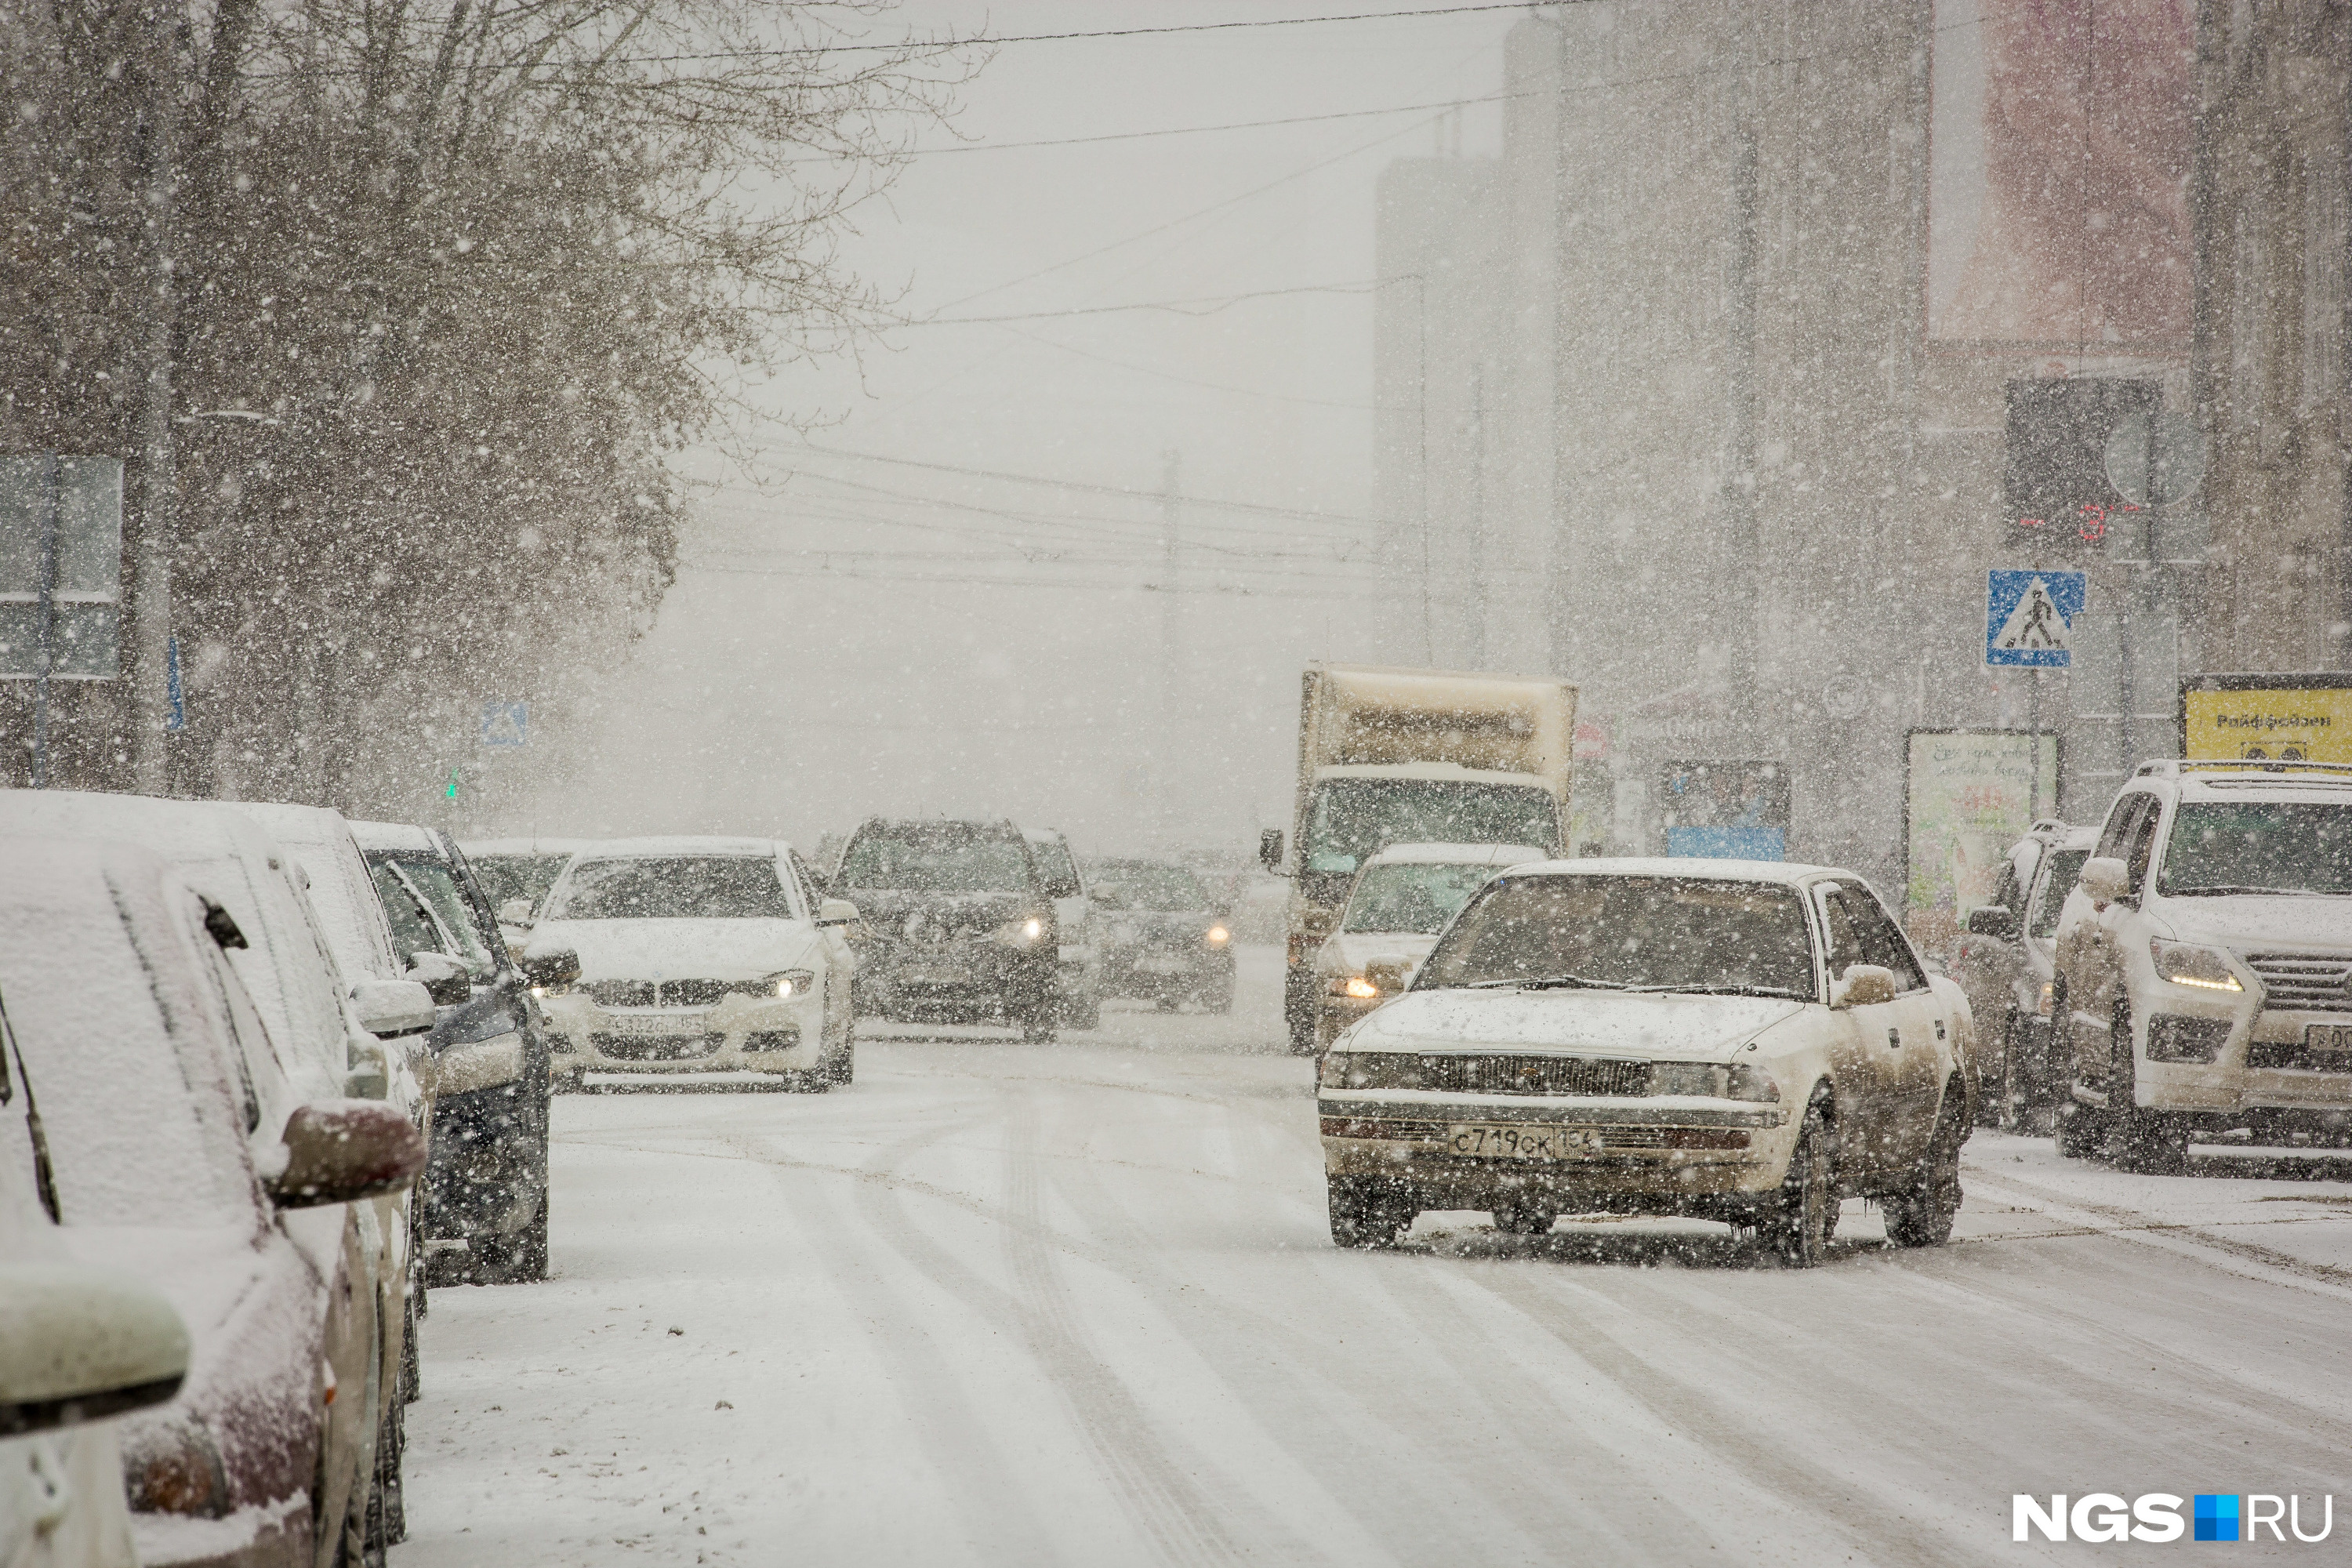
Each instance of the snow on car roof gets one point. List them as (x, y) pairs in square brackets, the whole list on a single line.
[(622, 849), (478, 846), (341, 890), (405, 837), (2221, 781), (1456, 855), (1780, 871)]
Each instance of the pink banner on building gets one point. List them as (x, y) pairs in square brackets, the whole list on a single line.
[(2058, 207)]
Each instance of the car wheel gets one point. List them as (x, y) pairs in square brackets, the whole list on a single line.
[(1992, 1098), (1368, 1214), (387, 1516), (843, 1070), (1798, 1225), (518, 1259), (1082, 1012), (2143, 1142), (1922, 1214), (2081, 1130), (1524, 1219)]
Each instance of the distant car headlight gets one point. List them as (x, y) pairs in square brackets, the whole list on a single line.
[(1372, 1069), (1714, 1080), (2041, 1005), (2185, 963), (790, 983), (1357, 986), (1023, 931), (1218, 936)]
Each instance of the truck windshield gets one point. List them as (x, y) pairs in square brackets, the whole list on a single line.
[(935, 857), (1411, 896), (2242, 847), (1351, 820), (1649, 933)]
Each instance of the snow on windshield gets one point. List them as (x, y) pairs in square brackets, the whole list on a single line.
[(1669, 932), (1354, 819), (673, 888), (2241, 845), (935, 857)]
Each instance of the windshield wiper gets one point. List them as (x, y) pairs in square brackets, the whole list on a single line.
[(1726, 991), (1562, 983), (2226, 890)]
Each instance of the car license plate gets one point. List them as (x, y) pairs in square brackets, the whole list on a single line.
[(657, 1023), (1526, 1143), (2327, 1036)]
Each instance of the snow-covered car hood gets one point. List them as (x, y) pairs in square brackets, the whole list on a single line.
[(666, 950), (2255, 920), (1350, 951), (1656, 1024)]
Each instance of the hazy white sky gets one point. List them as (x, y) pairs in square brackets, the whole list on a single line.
[(849, 637)]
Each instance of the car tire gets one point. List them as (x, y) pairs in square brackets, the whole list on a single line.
[(1922, 1214), (1524, 1219), (843, 1070), (2081, 1130), (1993, 1098), (519, 1259), (1798, 1224), (2145, 1142), (1368, 1214), (1082, 1012)]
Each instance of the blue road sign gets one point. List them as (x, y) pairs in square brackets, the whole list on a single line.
[(177, 714), (506, 723), (2030, 617)]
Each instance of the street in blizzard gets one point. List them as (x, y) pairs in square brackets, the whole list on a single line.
[(1175, 782)]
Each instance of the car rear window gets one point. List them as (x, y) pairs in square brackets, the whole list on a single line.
[(672, 888), (1664, 933), (935, 857)]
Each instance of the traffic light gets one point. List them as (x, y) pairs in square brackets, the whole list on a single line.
[(2054, 489)]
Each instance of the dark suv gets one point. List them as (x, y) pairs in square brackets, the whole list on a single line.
[(958, 924)]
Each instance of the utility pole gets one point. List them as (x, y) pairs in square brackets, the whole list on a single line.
[(1476, 611), (1171, 648), (1740, 497), (151, 624), (1421, 462)]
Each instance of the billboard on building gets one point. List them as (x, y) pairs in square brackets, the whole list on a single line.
[(2281, 717), (1726, 810), (2058, 174), (1968, 796)]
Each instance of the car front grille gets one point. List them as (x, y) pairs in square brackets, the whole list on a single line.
[(1535, 1075), (693, 993), (2303, 981), (621, 993), (656, 1047)]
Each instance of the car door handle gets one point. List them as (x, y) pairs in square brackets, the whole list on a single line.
[(1895, 1038)]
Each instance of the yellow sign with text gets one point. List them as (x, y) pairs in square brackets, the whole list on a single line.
[(2284, 723)]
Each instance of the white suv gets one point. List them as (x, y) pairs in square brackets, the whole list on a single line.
[(2204, 962)]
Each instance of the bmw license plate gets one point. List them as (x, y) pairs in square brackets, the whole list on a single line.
[(657, 1023), (1526, 1143), (2327, 1037)]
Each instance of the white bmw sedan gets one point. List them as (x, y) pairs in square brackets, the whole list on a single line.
[(694, 955), (1732, 1040)]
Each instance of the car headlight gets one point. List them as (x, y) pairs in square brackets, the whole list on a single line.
[(2185, 963), (1714, 1080), (1357, 986), (1372, 1069), (2042, 1004), (1218, 936), (1023, 931), (790, 983)]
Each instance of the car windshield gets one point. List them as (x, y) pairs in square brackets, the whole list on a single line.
[(1135, 885), (1417, 896), (2066, 865), (2248, 847), (935, 857), (673, 888), (405, 881), (505, 877), (1351, 820), (1664, 933)]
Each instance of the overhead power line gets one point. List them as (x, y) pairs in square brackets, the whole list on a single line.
[(1215, 303)]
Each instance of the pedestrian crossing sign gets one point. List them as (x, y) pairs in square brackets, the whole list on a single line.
[(2030, 617), (506, 723)]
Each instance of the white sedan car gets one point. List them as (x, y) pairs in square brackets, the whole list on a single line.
[(1732, 1040), (696, 955)]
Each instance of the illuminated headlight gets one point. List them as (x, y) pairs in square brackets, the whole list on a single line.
[(1357, 986), (1218, 936), (1026, 932), (1372, 1069), (2184, 963), (1714, 1080), (790, 983), (544, 992), (2042, 1004)]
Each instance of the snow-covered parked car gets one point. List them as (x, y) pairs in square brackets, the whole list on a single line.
[(1400, 900), (2205, 963), (77, 1345), (696, 955), (485, 1194), (2006, 959), (185, 1154), (1747, 1043)]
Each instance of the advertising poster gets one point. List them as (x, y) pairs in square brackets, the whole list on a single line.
[(2281, 717), (2058, 160), (1969, 796)]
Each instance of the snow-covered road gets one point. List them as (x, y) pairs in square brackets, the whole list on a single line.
[(1076, 1303)]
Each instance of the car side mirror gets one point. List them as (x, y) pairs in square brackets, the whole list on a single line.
[(551, 970), (1389, 971), (516, 913), (2106, 879), (836, 912), (77, 1344), (1863, 984), (445, 979), (1270, 850), (342, 1151), (390, 1008), (1994, 921)]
